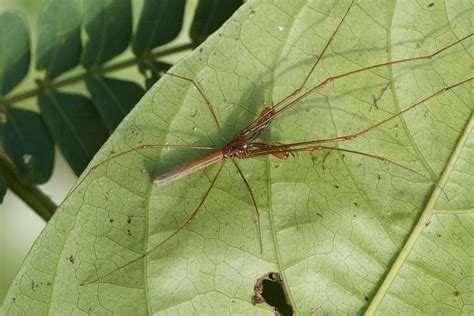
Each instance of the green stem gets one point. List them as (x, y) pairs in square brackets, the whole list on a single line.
[(30, 194), (68, 81)]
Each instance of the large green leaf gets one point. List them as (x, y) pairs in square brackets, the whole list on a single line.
[(345, 232)]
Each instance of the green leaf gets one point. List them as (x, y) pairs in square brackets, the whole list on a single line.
[(113, 98), (29, 145), (441, 246), (209, 16), (59, 37), (3, 189), (160, 22), (343, 230), (14, 50), (75, 125), (108, 25)]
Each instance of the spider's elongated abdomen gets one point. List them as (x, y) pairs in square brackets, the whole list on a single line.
[(177, 172)]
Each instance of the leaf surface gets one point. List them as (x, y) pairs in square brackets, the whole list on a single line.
[(335, 226)]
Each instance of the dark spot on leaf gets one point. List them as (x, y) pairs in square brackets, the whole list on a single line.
[(366, 298), (129, 232), (456, 293), (34, 286), (379, 177), (427, 223), (200, 50), (48, 283), (354, 215), (336, 186), (111, 220), (13, 299), (356, 204), (129, 220), (439, 235), (270, 289), (71, 259), (319, 214), (430, 5)]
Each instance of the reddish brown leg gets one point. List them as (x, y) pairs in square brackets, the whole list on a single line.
[(183, 226), (288, 149), (141, 147), (263, 122), (376, 99), (360, 153), (315, 148), (354, 135), (209, 104), (355, 71), (254, 202), (264, 112), (308, 76), (277, 149)]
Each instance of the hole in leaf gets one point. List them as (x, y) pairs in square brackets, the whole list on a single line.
[(269, 289)]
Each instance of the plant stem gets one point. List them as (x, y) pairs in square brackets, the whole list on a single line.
[(30, 194), (114, 67)]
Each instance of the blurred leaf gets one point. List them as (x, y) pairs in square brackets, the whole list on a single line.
[(14, 50), (332, 225), (153, 71), (113, 98), (59, 37), (209, 16), (3, 189), (108, 26), (29, 145), (160, 22), (75, 125)]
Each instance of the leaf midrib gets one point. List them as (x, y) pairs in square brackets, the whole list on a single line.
[(424, 218)]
